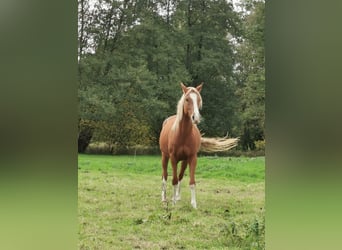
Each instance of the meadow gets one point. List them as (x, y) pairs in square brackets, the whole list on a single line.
[(119, 204)]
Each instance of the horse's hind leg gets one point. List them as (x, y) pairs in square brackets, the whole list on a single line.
[(165, 161), (192, 166), (182, 170), (181, 174)]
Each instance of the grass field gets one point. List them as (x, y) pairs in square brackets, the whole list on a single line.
[(120, 204)]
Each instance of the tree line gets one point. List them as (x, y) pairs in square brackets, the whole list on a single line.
[(133, 54)]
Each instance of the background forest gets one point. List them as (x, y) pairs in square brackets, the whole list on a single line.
[(133, 54)]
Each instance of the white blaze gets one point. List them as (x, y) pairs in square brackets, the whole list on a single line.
[(197, 115)]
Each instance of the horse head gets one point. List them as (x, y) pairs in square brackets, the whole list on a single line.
[(192, 102)]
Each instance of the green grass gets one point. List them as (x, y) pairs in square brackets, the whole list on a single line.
[(120, 207)]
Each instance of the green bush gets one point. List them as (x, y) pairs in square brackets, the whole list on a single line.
[(260, 145), (107, 149)]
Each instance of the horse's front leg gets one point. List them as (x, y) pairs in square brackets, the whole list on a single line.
[(165, 160), (192, 166), (181, 174), (174, 180)]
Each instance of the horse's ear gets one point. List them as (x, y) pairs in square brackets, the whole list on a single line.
[(184, 88), (199, 87)]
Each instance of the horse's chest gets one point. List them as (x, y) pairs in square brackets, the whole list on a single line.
[(185, 149), (182, 152)]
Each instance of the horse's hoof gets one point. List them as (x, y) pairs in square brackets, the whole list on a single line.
[(194, 205)]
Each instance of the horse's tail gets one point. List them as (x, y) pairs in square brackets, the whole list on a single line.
[(218, 144)]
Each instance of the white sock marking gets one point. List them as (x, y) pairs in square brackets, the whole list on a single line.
[(175, 193), (178, 195), (164, 190), (193, 196)]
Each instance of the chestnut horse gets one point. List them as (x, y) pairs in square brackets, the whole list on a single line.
[(180, 140)]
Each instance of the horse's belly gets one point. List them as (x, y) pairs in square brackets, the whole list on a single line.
[(184, 152), (181, 155)]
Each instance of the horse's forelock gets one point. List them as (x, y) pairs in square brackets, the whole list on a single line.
[(192, 89)]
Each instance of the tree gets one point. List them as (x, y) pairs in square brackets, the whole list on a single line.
[(206, 27), (250, 74), (103, 26), (133, 55)]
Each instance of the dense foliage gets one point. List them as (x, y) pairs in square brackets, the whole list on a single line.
[(133, 55)]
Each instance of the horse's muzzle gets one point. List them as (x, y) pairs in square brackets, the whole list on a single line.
[(195, 119)]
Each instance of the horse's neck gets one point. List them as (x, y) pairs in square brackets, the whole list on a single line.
[(185, 126)]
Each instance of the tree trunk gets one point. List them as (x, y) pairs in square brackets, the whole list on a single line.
[(188, 46), (80, 38), (84, 138)]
